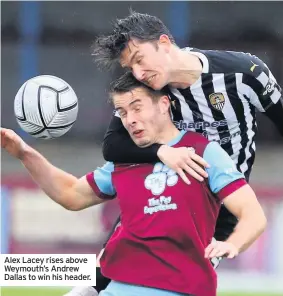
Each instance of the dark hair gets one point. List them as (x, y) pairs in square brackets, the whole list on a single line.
[(127, 83), (144, 27)]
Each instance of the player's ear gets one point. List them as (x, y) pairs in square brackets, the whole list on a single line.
[(165, 42), (164, 39), (164, 104)]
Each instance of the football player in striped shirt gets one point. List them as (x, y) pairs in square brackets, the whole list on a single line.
[(215, 93)]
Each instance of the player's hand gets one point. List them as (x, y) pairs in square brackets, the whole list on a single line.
[(183, 160), (221, 249), (13, 143)]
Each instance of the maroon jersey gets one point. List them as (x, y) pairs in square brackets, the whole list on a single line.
[(165, 227)]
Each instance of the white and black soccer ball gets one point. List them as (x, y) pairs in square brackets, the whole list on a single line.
[(46, 107)]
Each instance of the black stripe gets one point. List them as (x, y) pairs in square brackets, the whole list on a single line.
[(237, 104), (60, 127), (23, 107), (59, 109), (63, 90), (223, 131), (197, 115), (250, 161), (176, 106), (39, 105), (38, 132), (258, 89), (52, 128), (67, 108)]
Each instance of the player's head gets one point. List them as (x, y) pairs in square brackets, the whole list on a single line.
[(141, 43), (144, 112)]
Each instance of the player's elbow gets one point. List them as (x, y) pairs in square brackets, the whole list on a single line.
[(256, 216), (72, 206), (262, 221), (70, 202), (244, 205)]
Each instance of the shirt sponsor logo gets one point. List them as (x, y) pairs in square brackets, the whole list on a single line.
[(186, 125), (269, 88), (159, 204), (156, 182)]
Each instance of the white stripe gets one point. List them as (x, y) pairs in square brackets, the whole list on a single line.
[(249, 92), (263, 78), (249, 120), (199, 95), (276, 95), (205, 68), (244, 165), (228, 112), (185, 109)]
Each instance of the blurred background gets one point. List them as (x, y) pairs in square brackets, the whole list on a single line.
[(55, 38)]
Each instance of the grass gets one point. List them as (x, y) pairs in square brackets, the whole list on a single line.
[(59, 292), (32, 292)]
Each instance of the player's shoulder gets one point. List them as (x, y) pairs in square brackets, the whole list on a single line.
[(194, 140), (223, 61)]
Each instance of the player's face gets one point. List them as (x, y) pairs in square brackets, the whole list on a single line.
[(141, 116), (148, 61)]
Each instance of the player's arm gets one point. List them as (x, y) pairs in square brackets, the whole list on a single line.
[(262, 90), (275, 114), (65, 189), (119, 147), (231, 188)]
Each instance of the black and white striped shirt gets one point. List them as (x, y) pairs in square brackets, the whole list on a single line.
[(222, 103), (222, 106)]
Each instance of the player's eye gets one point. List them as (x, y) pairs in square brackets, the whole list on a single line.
[(139, 60), (137, 109), (122, 114)]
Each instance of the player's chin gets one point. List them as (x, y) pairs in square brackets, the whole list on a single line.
[(142, 143), (157, 85)]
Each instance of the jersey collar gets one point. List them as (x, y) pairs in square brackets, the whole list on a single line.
[(202, 57)]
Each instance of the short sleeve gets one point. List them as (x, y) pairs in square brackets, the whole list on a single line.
[(100, 181), (223, 176)]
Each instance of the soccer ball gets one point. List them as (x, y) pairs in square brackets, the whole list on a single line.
[(46, 107)]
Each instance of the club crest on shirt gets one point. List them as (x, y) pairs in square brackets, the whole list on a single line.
[(217, 100), (161, 177)]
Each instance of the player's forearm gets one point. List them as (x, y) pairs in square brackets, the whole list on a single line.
[(250, 226), (275, 114), (53, 181)]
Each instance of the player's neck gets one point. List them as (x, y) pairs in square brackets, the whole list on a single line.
[(187, 69), (168, 134)]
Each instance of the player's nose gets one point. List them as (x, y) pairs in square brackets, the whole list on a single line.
[(139, 73), (131, 120)]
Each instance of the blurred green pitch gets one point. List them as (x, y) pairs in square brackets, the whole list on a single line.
[(60, 292)]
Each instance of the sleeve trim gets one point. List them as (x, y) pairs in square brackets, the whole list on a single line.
[(92, 184), (230, 188)]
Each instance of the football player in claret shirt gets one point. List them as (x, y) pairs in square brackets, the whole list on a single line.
[(166, 223)]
